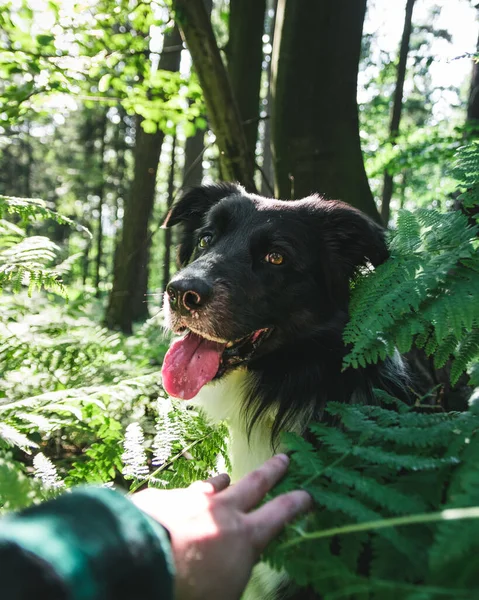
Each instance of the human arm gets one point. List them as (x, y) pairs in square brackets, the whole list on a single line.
[(95, 544), (92, 543)]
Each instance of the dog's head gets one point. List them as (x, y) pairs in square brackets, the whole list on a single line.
[(257, 273)]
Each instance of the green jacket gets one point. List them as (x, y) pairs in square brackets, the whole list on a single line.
[(92, 544)]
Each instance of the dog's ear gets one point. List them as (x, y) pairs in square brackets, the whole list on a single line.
[(190, 210), (192, 206), (351, 240), (354, 237)]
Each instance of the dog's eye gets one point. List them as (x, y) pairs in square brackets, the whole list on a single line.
[(275, 258), (204, 241)]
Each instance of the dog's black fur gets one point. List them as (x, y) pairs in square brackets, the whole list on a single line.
[(297, 366)]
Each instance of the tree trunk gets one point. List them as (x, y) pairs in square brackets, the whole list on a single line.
[(86, 263), (245, 57), (193, 20), (472, 120), (129, 279), (315, 126), (87, 141), (25, 141), (397, 106), (167, 231), (267, 175), (195, 145), (193, 169), (100, 192)]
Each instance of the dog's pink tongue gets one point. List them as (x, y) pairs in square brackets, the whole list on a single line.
[(189, 364)]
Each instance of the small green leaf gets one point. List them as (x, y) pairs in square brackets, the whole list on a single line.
[(149, 126), (45, 39)]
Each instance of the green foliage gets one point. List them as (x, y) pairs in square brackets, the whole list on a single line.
[(426, 293), (101, 54), (466, 171), (29, 209), (27, 261), (374, 469), (67, 397)]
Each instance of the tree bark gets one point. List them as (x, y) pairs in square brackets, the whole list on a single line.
[(388, 185), (25, 141), (132, 254), (100, 192), (193, 169), (472, 118), (315, 126), (87, 141), (193, 20), (245, 57), (267, 175), (167, 231), (195, 145)]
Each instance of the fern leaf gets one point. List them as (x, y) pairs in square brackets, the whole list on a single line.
[(466, 353)]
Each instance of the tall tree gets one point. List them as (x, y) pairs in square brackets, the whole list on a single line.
[(397, 106), (193, 167), (236, 161), (100, 193), (315, 128), (126, 302), (267, 174), (473, 101), (195, 144), (245, 57), (167, 230)]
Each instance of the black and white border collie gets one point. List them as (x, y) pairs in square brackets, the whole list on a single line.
[(261, 301)]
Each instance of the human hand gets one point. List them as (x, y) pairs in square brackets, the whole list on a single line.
[(216, 536)]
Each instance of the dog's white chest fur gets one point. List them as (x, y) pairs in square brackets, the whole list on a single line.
[(223, 401)]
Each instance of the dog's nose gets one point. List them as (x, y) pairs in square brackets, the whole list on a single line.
[(188, 294)]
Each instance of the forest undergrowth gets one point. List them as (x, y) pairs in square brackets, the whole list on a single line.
[(396, 487)]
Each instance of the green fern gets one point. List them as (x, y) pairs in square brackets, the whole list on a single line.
[(381, 468), (465, 170), (29, 209), (427, 292), (27, 261)]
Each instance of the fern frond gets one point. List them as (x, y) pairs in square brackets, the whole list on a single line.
[(46, 472), (168, 430), (381, 467), (27, 263), (33, 208), (426, 292), (465, 169), (13, 437), (466, 353), (134, 456)]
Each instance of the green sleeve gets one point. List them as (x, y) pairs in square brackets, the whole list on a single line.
[(92, 544)]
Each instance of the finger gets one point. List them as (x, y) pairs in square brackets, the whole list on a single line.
[(250, 490), (269, 520), (213, 485)]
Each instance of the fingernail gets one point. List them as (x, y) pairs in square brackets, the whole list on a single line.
[(284, 458)]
